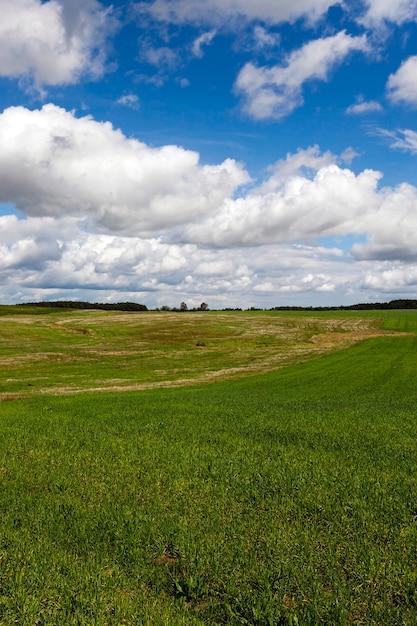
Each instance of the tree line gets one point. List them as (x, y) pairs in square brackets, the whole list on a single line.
[(364, 306), (75, 304), (134, 306)]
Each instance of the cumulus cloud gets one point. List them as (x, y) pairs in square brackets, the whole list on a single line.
[(394, 279), (159, 238), (56, 166), (30, 245), (402, 86), (274, 92), (391, 227), (309, 196), (52, 163), (396, 11), (54, 258), (295, 164), (53, 42), (364, 106), (46, 256), (297, 208), (219, 12)]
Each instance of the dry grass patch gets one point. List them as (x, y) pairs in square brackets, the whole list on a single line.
[(74, 351)]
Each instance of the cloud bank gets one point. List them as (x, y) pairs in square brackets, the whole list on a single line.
[(52, 163), (218, 12), (107, 212), (371, 13)]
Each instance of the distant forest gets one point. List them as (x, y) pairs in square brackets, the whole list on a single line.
[(133, 306), (366, 306), (71, 304)]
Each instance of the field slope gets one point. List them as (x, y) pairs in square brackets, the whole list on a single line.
[(70, 351), (287, 497)]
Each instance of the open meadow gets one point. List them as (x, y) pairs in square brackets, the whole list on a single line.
[(242, 468), (68, 351)]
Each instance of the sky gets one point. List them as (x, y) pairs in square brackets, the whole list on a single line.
[(241, 153)]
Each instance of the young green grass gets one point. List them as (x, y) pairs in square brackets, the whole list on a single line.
[(280, 499)]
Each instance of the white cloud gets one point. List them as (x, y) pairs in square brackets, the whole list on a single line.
[(53, 42), (299, 204), (266, 287), (264, 39), (237, 251), (220, 12), (33, 244), (163, 56), (318, 282), (55, 165), (274, 92), (129, 100), (396, 279), (402, 139), (209, 267), (364, 106), (396, 11), (331, 203), (296, 164), (45, 255), (402, 86), (52, 163), (43, 258), (203, 40), (391, 227)]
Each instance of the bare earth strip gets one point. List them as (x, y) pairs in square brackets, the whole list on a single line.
[(100, 351)]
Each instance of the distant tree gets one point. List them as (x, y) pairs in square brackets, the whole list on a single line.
[(183, 306), (203, 307)]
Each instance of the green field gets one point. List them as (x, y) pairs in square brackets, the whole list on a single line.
[(243, 468), (73, 351)]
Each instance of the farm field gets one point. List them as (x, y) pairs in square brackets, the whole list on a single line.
[(215, 468), (67, 351)]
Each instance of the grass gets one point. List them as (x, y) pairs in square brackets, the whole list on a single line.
[(71, 351), (287, 498)]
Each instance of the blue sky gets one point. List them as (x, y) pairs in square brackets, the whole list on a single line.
[(242, 153)]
